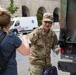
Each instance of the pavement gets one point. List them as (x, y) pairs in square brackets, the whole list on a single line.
[(22, 64)]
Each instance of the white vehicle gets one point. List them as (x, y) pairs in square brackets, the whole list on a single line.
[(23, 24)]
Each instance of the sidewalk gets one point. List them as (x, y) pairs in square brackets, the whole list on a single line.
[(22, 64)]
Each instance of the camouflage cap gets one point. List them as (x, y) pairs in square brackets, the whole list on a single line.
[(48, 17)]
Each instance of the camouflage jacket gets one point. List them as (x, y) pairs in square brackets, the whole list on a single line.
[(41, 45)]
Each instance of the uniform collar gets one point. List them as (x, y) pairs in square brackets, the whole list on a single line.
[(41, 27)]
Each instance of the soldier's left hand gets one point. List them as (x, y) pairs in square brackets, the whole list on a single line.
[(57, 50)]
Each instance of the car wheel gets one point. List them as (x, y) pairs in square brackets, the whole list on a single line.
[(15, 32)]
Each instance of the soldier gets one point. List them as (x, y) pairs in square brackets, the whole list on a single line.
[(43, 39)]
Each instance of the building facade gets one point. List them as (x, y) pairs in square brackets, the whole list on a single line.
[(30, 7)]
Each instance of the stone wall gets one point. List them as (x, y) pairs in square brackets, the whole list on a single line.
[(32, 5)]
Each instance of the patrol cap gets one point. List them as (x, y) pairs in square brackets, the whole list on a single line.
[(48, 17)]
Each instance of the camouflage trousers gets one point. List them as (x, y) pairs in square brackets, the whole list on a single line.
[(37, 69)]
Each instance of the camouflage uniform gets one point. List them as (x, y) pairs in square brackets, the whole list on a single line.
[(41, 45)]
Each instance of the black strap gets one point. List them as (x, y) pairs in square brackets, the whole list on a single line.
[(2, 36)]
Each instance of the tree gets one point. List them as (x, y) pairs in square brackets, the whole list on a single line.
[(39, 17), (11, 8)]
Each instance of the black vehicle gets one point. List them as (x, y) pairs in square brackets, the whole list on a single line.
[(67, 37)]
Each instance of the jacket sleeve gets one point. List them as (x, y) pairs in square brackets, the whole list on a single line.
[(33, 36)]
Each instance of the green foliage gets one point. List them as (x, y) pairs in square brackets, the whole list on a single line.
[(39, 17), (11, 8)]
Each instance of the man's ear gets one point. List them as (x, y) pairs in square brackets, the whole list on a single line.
[(42, 20)]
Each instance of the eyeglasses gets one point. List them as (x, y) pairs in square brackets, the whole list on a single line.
[(49, 22)]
